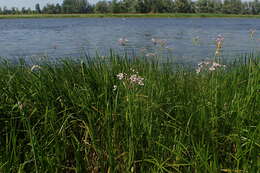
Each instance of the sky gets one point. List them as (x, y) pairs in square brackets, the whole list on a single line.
[(31, 3)]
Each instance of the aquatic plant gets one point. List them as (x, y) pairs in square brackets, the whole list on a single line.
[(97, 116), (196, 40), (123, 41), (150, 54), (219, 43), (133, 78), (160, 42), (209, 66), (252, 33)]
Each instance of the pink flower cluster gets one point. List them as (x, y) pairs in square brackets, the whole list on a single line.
[(132, 79), (208, 66), (135, 79), (219, 41), (159, 42), (150, 54), (123, 41)]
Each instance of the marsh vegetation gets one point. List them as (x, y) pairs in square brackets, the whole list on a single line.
[(118, 114)]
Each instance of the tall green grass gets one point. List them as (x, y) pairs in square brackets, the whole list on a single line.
[(68, 117)]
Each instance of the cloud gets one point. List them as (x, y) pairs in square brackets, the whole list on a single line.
[(26, 3)]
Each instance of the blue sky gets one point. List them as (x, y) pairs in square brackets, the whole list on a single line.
[(30, 3)]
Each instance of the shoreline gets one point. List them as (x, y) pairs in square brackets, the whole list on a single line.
[(124, 15)]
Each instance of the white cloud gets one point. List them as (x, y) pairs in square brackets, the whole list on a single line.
[(26, 3)]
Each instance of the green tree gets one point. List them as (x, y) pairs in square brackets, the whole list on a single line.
[(75, 6), (49, 9), (183, 6), (58, 8), (115, 7), (255, 6), (202, 6), (37, 8), (102, 7), (232, 6)]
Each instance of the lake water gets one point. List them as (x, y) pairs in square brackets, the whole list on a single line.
[(188, 39)]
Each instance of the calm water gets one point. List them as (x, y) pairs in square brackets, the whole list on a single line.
[(187, 39)]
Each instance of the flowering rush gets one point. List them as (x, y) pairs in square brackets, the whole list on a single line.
[(120, 76), (208, 66), (252, 33), (150, 54), (133, 78), (159, 41), (114, 88), (219, 41), (123, 41)]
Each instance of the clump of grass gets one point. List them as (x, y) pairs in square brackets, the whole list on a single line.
[(83, 116)]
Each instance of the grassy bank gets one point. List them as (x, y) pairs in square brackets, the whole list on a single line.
[(150, 15), (129, 116)]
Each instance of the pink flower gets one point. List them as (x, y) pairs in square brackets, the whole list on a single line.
[(208, 66), (120, 76), (123, 41), (150, 54)]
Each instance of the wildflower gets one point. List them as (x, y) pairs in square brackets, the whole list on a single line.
[(120, 76), (162, 42), (153, 40), (130, 79), (195, 40), (217, 53), (219, 41), (35, 67), (114, 88), (220, 38), (123, 41), (212, 68), (20, 105), (136, 79), (252, 33), (150, 54), (217, 65), (158, 41), (133, 70), (214, 64), (202, 63), (198, 70), (208, 65)]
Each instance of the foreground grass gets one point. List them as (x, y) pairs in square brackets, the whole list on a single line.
[(131, 15), (70, 117)]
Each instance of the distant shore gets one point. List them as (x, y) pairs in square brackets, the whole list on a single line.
[(125, 15)]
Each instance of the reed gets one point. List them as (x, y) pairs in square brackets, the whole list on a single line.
[(117, 114)]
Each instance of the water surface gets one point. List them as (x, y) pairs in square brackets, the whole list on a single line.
[(188, 39)]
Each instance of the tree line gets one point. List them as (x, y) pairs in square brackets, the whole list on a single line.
[(142, 6)]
